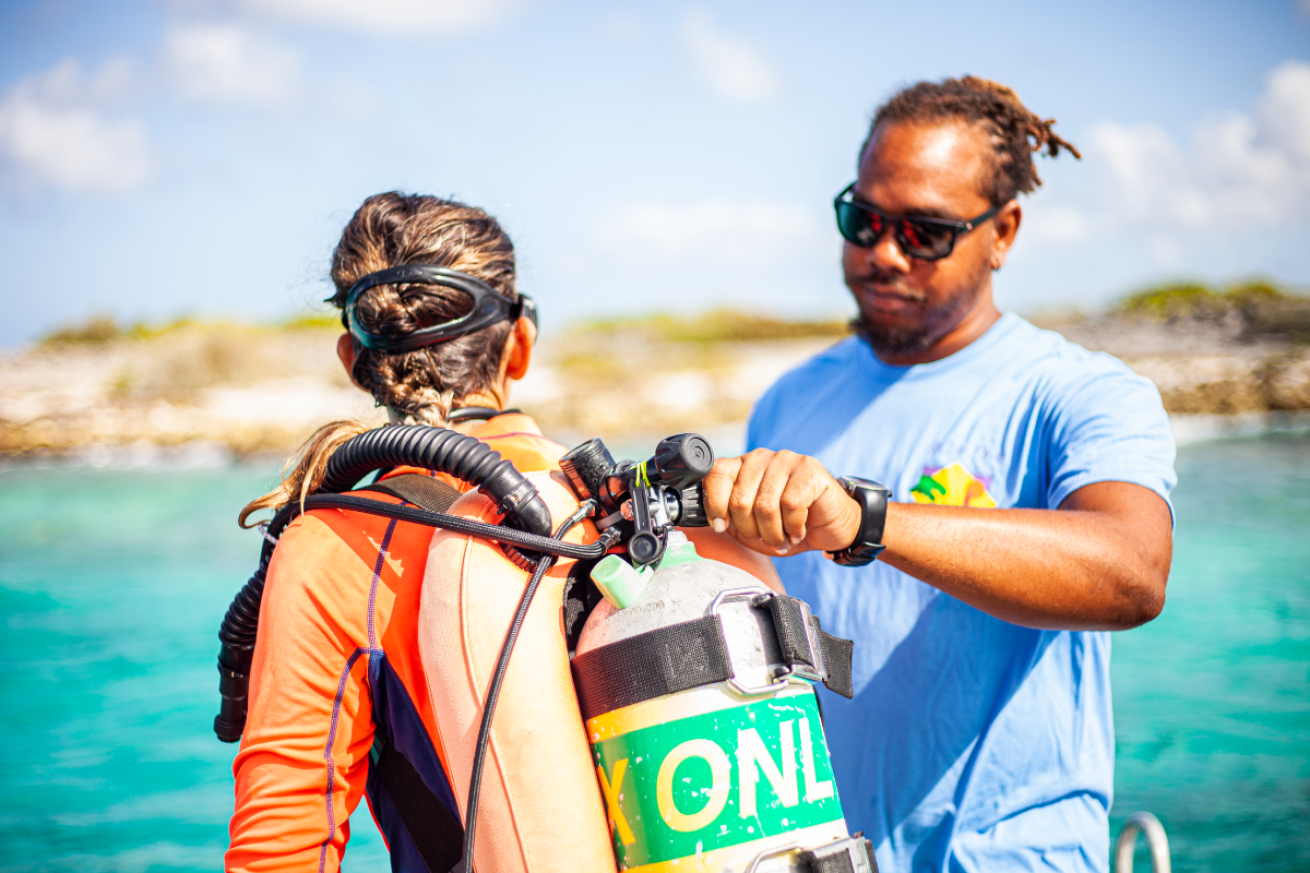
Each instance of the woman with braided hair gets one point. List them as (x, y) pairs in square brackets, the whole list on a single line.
[(346, 700), (336, 679)]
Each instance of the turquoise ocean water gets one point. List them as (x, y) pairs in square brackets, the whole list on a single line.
[(112, 584)]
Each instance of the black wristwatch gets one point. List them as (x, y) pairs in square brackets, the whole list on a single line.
[(872, 497)]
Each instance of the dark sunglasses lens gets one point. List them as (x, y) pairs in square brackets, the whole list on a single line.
[(917, 238), (858, 226), (924, 239)]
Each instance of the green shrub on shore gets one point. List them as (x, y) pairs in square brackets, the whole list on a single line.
[(1263, 308), (313, 321), (719, 325), (1190, 299), (96, 330), (100, 329)]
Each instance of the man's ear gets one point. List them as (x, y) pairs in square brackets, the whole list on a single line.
[(1007, 223), (518, 348), (347, 355)]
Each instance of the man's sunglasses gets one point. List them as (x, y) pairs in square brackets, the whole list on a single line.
[(926, 239)]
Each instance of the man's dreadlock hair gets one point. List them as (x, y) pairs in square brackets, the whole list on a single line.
[(1016, 132)]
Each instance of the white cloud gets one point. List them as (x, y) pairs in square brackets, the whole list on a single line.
[(228, 63), (1241, 170), (715, 231), (1056, 223), (65, 84), (53, 132), (733, 68), (393, 17)]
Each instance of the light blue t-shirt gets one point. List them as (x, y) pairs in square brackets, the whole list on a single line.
[(971, 744)]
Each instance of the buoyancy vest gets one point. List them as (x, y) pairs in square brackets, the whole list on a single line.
[(541, 808), (337, 689)]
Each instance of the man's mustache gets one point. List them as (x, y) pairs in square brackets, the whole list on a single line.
[(895, 284)]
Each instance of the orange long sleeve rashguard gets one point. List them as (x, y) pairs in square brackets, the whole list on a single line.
[(336, 661)]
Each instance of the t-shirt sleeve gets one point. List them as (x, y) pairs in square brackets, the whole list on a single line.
[(757, 427), (1109, 426)]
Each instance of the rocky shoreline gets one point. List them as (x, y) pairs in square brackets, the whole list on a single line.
[(1204, 367), (221, 391)]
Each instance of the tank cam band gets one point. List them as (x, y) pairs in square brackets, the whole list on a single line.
[(848, 855), (813, 653), (851, 855), (694, 653)]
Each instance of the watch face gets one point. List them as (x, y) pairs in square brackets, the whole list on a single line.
[(850, 483)]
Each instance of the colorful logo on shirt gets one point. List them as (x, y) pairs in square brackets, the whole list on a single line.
[(953, 486)]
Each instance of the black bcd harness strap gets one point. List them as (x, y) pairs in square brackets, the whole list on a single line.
[(425, 492), (694, 653)]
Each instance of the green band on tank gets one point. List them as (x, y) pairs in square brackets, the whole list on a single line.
[(677, 789)]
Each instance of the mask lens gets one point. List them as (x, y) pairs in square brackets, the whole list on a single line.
[(436, 305)]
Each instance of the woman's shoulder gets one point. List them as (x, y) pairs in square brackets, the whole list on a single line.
[(518, 439), (334, 561)]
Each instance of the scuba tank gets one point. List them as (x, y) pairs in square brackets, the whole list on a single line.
[(694, 682)]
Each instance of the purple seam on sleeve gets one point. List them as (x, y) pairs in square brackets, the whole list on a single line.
[(327, 753), (377, 577)]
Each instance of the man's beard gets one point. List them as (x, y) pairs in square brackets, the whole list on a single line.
[(897, 341), (892, 341)]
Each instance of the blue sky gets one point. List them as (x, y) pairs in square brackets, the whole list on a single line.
[(198, 157)]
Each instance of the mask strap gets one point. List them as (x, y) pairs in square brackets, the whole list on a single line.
[(488, 307)]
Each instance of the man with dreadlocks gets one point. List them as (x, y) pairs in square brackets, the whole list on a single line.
[(1032, 481)]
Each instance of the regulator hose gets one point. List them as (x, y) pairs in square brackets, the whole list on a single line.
[(527, 524), (445, 451), (236, 648), (496, 532), (236, 637)]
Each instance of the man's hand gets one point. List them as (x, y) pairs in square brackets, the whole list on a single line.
[(780, 503)]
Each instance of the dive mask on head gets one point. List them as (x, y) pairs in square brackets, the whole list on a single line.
[(488, 307)]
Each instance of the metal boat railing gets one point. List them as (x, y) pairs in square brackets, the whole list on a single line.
[(1156, 842)]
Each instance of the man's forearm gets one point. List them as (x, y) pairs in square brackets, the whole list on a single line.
[(1098, 563)]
